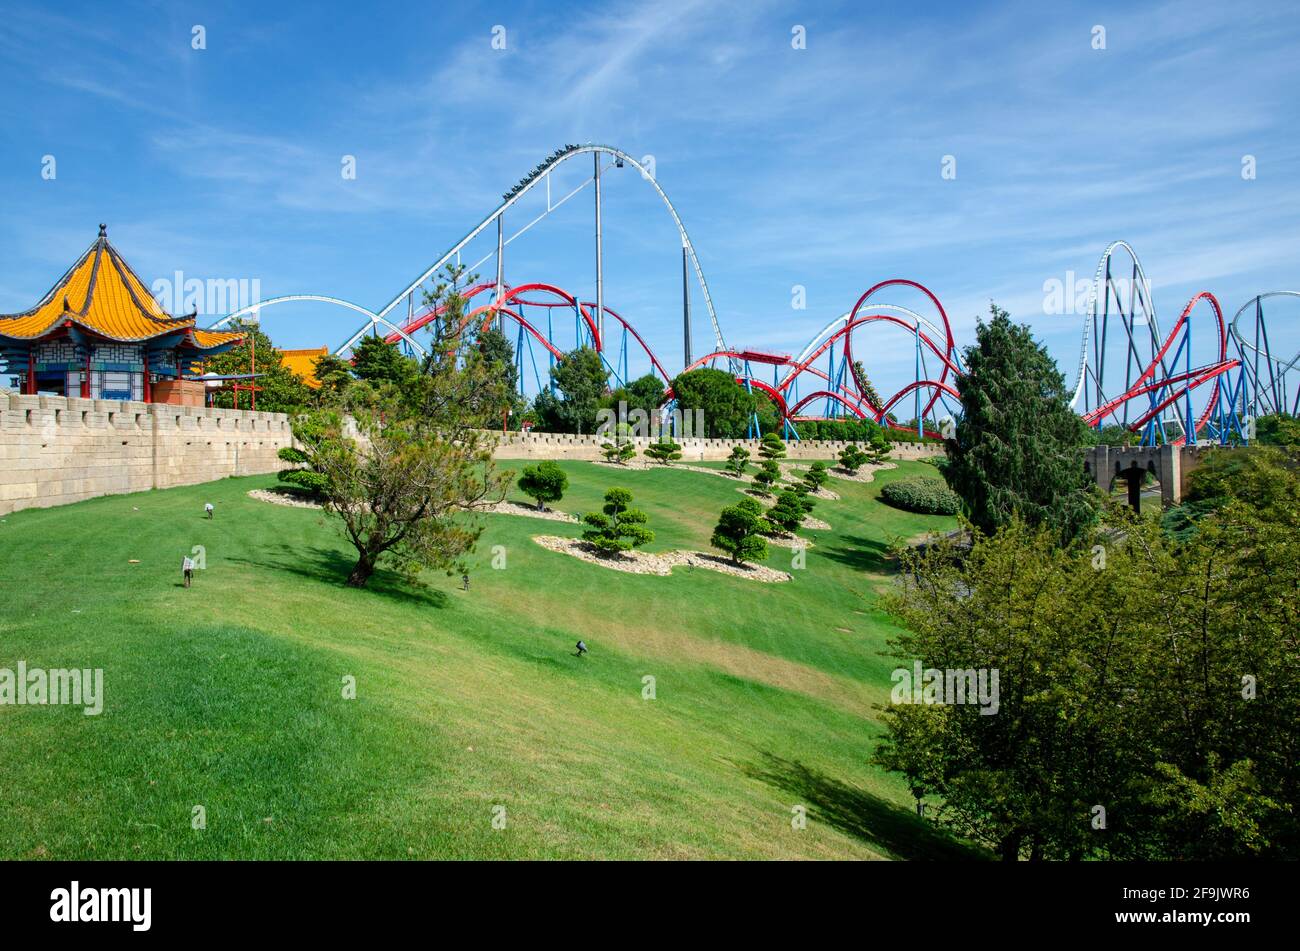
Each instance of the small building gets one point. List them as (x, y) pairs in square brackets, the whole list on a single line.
[(99, 334), (302, 364)]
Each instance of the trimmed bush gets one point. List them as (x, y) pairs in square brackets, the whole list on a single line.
[(922, 495)]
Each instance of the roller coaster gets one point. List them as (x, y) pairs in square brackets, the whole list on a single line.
[(1165, 389)]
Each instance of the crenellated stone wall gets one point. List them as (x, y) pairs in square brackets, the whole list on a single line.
[(560, 446), (55, 450)]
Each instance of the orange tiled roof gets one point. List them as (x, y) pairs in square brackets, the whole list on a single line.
[(302, 363), (101, 294)]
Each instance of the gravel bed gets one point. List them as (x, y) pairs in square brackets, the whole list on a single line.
[(529, 511), (660, 563), (282, 498)]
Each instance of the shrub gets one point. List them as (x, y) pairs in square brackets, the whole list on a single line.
[(664, 451), (767, 476), (852, 458), (618, 526), (816, 476), (738, 461), (544, 482), (739, 531), (919, 494), (788, 512), (618, 452), (302, 477), (771, 447)]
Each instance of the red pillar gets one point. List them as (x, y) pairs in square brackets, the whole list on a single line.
[(31, 372), (148, 388), (85, 380)]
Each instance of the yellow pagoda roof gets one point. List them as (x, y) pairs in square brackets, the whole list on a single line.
[(302, 363), (102, 295)]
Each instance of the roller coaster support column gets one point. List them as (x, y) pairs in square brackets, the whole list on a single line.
[(501, 269), (600, 273), (686, 311), (920, 423)]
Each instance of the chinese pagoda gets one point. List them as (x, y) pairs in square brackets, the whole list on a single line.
[(99, 334)]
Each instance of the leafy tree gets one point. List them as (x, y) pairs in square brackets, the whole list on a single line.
[(499, 355), (1114, 435), (852, 458), (618, 452), (618, 526), (335, 376), (768, 475), (448, 296), (1016, 447), (645, 393), (546, 413), (279, 388), (739, 532), (1139, 703), (771, 447), (788, 512), (816, 476), (581, 379), (377, 362), (727, 407), (545, 482), (738, 461), (421, 460), (664, 451), (1277, 430)]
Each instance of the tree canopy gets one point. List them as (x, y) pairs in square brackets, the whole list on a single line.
[(1015, 451)]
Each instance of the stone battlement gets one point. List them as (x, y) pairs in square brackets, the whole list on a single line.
[(56, 449), (567, 446)]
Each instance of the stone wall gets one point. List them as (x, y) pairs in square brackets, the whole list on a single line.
[(559, 446), (55, 449)]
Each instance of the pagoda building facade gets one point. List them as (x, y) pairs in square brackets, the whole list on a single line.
[(99, 334)]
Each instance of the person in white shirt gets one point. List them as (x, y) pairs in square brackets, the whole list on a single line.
[(187, 569)]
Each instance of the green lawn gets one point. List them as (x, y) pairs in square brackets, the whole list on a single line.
[(229, 695)]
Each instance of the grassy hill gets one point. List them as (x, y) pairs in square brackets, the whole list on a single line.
[(228, 695)]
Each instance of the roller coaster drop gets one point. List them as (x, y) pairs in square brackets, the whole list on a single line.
[(1163, 396)]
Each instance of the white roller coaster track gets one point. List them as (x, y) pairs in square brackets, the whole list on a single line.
[(835, 325), (540, 175), (1090, 315)]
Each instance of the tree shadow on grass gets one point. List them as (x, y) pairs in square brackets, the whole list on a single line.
[(863, 815), (332, 567), (863, 554)]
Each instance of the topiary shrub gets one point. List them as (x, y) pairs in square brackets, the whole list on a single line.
[(922, 495)]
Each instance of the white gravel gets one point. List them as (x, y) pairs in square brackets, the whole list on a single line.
[(282, 498), (660, 563)]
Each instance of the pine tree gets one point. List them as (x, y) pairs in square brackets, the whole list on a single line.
[(768, 474), (738, 461), (618, 526), (739, 532), (771, 447), (1015, 451), (664, 451)]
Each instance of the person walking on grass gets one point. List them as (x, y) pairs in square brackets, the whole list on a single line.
[(187, 569), (582, 649), (207, 509)]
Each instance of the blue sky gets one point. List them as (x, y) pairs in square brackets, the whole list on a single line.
[(817, 167)]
